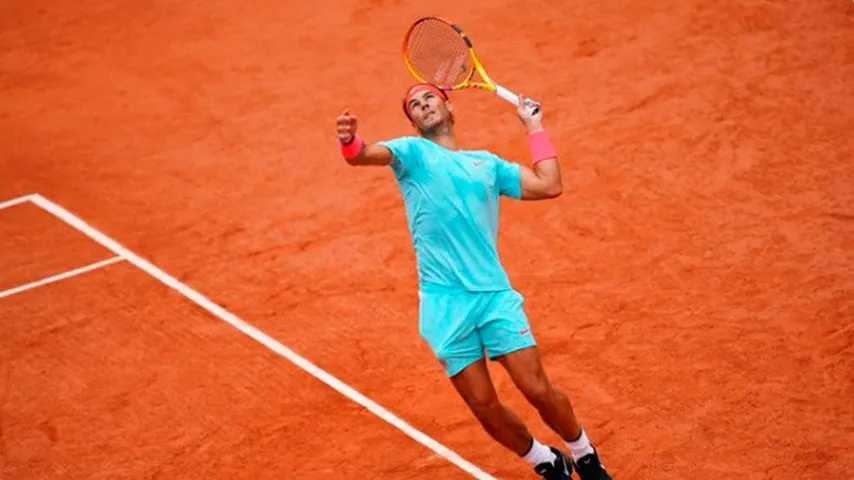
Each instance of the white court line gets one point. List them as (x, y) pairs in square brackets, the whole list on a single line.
[(15, 201), (261, 337), (61, 276)]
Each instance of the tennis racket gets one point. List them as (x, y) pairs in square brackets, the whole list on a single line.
[(437, 51)]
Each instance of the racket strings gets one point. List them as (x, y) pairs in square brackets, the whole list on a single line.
[(438, 53)]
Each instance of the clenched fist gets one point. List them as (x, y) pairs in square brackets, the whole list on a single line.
[(346, 127)]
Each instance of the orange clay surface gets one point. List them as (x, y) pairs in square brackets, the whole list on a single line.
[(692, 290)]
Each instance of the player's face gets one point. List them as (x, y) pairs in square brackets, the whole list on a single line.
[(427, 109)]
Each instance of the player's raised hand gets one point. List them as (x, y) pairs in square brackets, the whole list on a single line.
[(530, 113), (346, 123)]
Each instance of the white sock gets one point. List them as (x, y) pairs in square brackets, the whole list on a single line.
[(539, 453), (580, 447)]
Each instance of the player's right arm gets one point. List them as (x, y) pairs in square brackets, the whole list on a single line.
[(370, 154)]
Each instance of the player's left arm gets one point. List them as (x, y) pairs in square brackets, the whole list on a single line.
[(541, 180)]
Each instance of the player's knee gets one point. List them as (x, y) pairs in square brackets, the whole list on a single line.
[(483, 405), (539, 393)]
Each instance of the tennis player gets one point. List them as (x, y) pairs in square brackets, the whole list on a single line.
[(467, 305)]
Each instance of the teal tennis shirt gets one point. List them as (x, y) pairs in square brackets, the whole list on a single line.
[(451, 200)]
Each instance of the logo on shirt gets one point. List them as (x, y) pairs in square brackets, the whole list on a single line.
[(477, 162)]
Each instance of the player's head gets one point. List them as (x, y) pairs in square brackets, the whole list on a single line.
[(427, 107)]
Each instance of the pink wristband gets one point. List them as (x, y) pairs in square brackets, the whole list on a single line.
[(541, 147), (352, 150)]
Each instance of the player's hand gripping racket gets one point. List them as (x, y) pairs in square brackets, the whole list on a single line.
[(437, 51)]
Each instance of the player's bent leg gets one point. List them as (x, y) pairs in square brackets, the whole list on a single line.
[(526, 370), (475, 386), (507, 336)]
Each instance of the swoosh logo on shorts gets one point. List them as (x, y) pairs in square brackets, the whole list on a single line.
[(523, 332)]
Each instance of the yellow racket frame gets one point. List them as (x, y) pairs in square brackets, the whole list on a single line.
[(468, 82)]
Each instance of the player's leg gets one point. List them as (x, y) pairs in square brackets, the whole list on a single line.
[(529, 376), (526, 370), (448, 324), (475, 386), (507, 336)]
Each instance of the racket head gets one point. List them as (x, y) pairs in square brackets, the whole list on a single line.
[(437, 51)]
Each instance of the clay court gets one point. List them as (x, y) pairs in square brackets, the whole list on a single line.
[(692, 289)]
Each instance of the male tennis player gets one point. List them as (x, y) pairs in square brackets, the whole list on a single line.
[(467, 303)]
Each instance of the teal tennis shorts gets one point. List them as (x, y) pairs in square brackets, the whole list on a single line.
[(460, 325)]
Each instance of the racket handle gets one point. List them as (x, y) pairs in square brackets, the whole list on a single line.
[(513, 98), (507, 95)]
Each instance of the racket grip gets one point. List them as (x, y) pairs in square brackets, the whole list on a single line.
[(514, 99), (507, 95)]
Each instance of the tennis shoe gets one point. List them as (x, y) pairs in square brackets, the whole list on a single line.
[(590, 468), (559, 469)]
